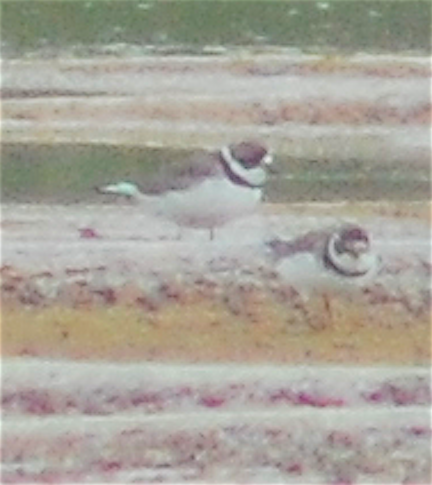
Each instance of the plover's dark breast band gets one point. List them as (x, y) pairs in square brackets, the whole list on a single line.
[(236, 179), (331, 265)]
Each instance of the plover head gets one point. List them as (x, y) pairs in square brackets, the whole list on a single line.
[(348, 251), (246, 163)]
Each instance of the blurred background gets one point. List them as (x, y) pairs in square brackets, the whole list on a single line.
[(95, 91)]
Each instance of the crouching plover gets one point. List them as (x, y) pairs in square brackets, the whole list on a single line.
[(207, 191), (329, 261)]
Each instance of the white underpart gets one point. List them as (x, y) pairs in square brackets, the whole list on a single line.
[(253, 176), (209, 204), (212, 203)]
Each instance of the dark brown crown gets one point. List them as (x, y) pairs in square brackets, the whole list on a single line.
[(249, 153), (354, 233)]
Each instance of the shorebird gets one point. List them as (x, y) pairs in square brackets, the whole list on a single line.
[(336, 260), (207, 191)]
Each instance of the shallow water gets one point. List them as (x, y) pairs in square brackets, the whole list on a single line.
[(68, 173), (80, 28)]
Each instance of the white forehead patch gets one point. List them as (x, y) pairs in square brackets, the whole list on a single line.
[(268, 159)]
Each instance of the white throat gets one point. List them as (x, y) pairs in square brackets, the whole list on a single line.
[(346, 263), (253, 176)]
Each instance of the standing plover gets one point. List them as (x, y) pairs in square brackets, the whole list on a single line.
[(207, 191)]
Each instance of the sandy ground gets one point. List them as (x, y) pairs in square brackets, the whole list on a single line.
[(107, 388), (196, 299), (310, 107), (226, 423), (41, 225), (41, 238)]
